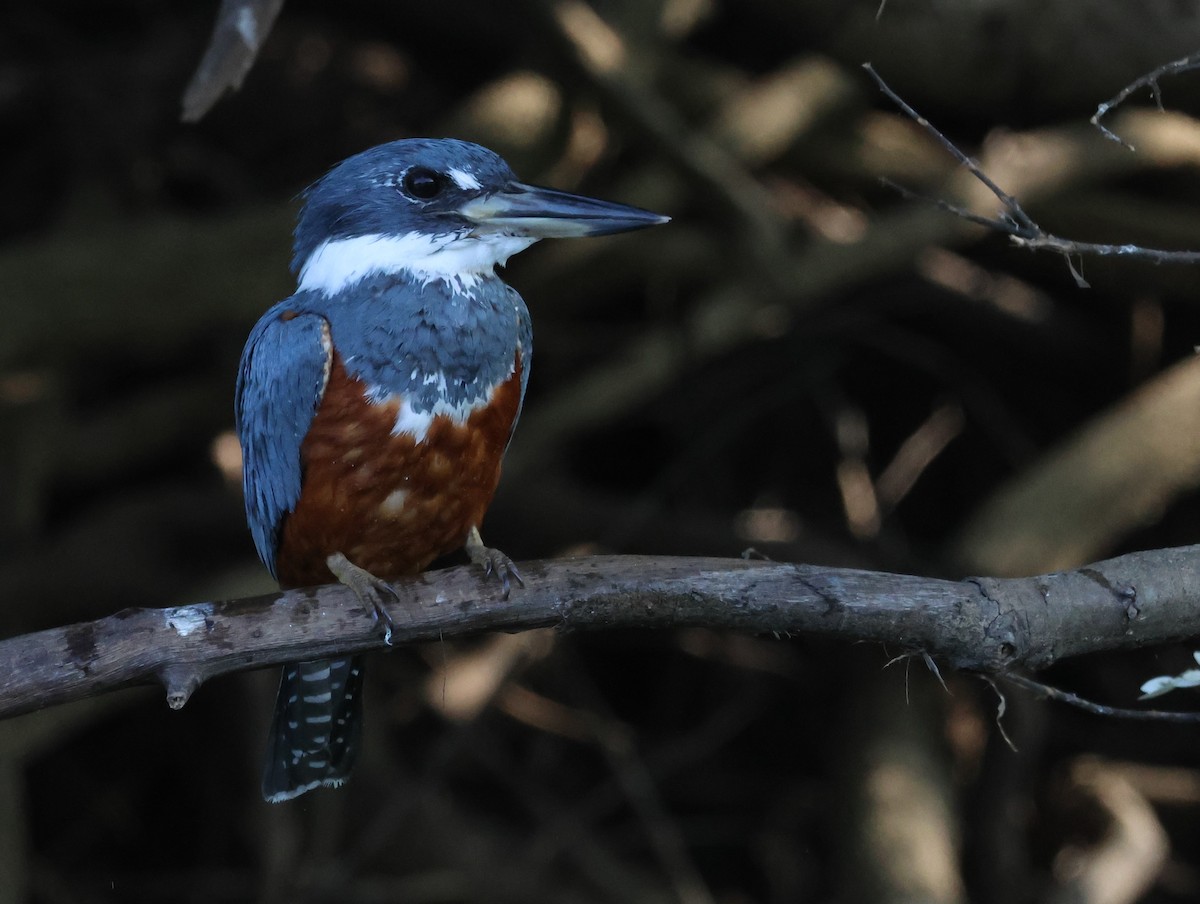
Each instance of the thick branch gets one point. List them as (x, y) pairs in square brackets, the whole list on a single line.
[(986, 624)]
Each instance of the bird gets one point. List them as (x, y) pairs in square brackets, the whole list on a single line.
[(374, 404)]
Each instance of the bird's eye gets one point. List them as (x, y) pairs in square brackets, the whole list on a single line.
[(423, 183)]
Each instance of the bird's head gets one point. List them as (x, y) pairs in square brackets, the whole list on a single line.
[(438, 209)]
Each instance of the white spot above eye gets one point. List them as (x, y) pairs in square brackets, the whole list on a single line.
[(461, 259), (464, 180)]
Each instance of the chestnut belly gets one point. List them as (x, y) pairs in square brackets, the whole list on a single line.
[(389, 503)]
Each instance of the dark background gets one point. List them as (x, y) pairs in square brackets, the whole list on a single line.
[(803, 362)]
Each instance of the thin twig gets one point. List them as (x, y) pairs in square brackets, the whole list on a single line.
[(1099, 709), (1001, 709), (1149, 80), (1020, 218), (1013, 221)]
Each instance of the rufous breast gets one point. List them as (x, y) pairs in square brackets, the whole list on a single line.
[(391, 503)]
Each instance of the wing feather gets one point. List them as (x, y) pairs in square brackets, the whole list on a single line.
[(284, 368)]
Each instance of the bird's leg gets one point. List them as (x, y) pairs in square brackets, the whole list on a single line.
[(373, 592), (492, 561)]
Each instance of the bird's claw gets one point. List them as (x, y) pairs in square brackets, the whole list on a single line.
[(493, 562), (373, 592)]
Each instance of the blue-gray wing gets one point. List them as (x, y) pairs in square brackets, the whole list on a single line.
[(282, 377)]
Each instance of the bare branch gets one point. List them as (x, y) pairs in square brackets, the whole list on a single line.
[(241, 28), (984, 624), (1101, 709), (1014, 222), (1149, 80), (1019, 217)]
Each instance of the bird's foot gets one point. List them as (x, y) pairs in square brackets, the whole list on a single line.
[(373, 592), (492, 561)]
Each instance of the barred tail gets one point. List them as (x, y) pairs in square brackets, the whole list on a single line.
[(315, 734)]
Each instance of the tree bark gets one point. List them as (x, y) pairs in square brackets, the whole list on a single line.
[(985, 624)]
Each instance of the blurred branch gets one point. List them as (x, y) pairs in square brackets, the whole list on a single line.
[(899, 840), (984, 624), (607, 58), (240, 30), (1041, 166), (1124, 863), (61, 295), (1120, 469)]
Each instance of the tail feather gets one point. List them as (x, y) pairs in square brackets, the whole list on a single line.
[(317, 727)]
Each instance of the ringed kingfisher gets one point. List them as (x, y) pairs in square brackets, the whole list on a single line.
[(374, 404)]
